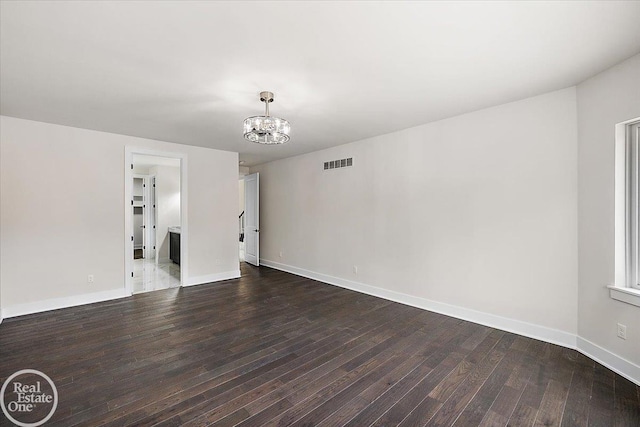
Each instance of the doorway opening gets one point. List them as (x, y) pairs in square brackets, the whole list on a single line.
[(251, 224), (249, 217), (155, 255), (241, 219)]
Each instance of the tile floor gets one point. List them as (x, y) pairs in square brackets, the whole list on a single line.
[(149, 276), (241, 251)]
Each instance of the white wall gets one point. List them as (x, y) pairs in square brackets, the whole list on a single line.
[(240, 196), (604, 100), (62, 213), (477, 211), (244, 170), (168, 206)]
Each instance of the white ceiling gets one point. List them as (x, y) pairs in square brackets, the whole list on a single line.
[(190, 72)]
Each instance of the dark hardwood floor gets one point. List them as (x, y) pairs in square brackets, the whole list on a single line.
[(276, 349)]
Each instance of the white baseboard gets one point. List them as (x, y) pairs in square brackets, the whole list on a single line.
[(565, 339), (200, 280), (543, 333), (623, 367), (64, 302), (617, 364), (72, 301)]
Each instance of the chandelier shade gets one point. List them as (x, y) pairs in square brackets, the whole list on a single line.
[(266, 129)]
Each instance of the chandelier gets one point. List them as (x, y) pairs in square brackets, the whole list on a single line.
[(266, 129)]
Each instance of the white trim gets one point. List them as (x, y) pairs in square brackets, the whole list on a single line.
[(617, 364), (623, 367), (216, 277), (129, 151), (625, 224), (64, 302), (531, 330), (153, 215), (610, 360), (128, 221), (184, 224), (620, 207), (76, 300), (250, 217), (628, 295)]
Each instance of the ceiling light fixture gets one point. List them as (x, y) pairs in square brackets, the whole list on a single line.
[(266, 129)]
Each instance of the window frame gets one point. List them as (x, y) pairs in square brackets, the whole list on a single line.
[(633, 211), (626, 285)]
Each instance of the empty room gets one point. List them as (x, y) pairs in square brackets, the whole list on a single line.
[(319, 213)]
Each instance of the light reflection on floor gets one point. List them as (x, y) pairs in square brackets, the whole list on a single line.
[(147, 276)]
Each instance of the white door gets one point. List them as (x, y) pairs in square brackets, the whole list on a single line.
[(252, 219)]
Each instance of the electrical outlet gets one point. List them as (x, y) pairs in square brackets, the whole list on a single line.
[(90, 278), (355, 269), (622, 331), (280, 254)]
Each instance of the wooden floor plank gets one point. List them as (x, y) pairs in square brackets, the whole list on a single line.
[(601, 404), (484, 399), (552, 405), (409, 401), (454, 406), (507, 399), (626, 403), (576, 411), (272, 348)]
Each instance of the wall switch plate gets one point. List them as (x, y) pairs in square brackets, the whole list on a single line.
[(90, 278), (280, 254), (622, 331), (355, 269)]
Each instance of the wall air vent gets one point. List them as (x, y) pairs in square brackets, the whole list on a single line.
[(335, 164)]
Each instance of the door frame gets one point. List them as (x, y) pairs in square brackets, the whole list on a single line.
[(153, 215), (254, 177), (129, 151)]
